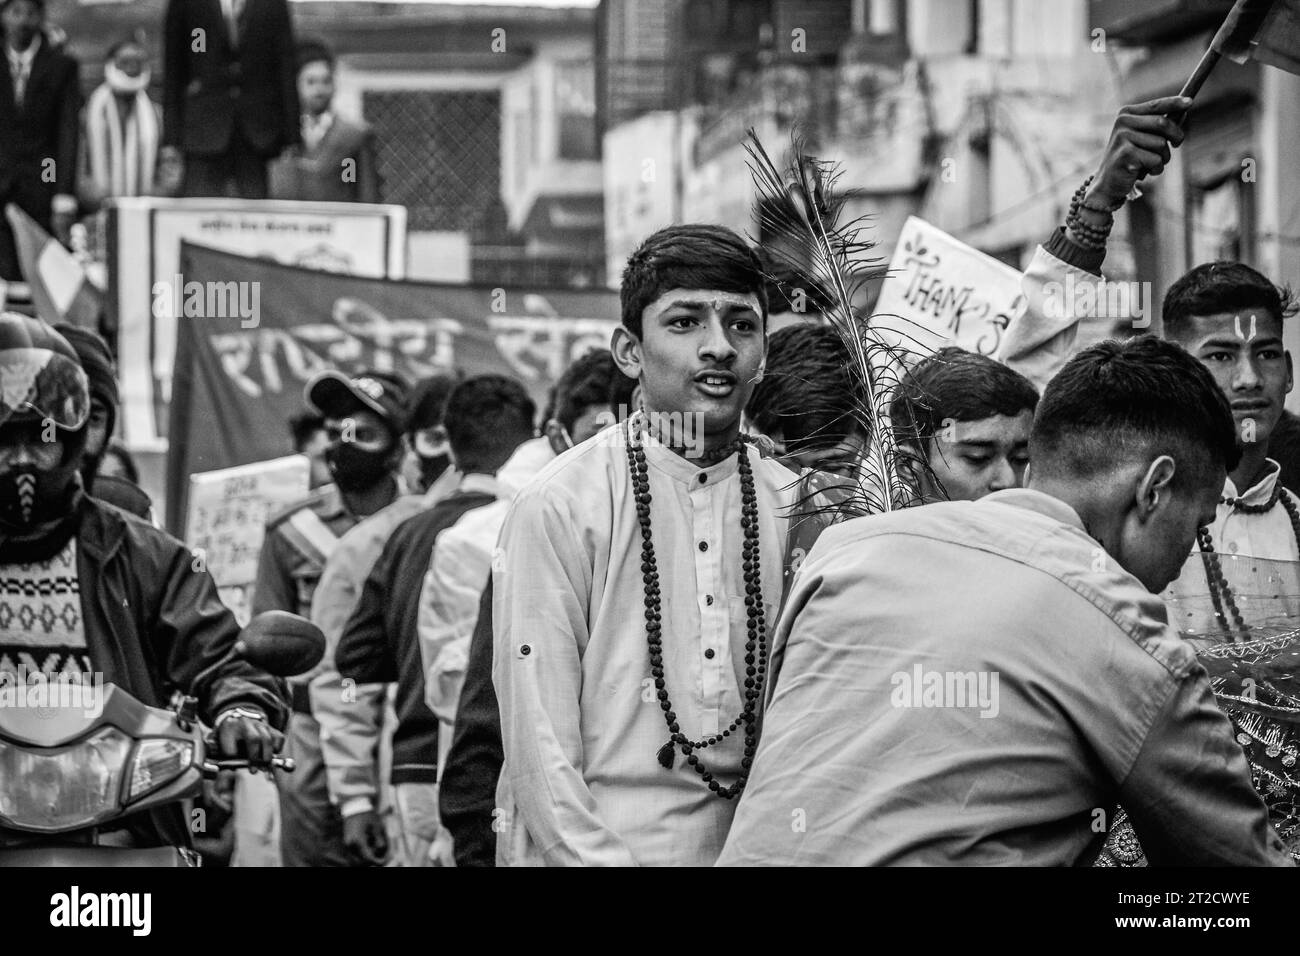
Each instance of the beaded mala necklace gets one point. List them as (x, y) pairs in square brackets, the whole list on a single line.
[(1220, 592), (755, 645)]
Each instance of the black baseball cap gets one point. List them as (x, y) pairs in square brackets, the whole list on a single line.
[(333, 394)]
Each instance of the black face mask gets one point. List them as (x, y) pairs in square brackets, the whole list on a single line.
[(31, 498), (431, 468), (355, 469)]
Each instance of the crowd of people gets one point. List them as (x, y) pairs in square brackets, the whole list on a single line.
[(606, 634), (245, 112)]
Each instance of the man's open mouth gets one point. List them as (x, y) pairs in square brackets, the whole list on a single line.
[(716, 384)]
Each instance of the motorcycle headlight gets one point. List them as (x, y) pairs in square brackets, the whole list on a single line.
[(64, 790), (158, 761)]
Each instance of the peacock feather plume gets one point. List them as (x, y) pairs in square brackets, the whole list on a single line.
[(802, 218)]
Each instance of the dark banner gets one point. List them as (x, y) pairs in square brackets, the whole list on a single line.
[(251, 332)]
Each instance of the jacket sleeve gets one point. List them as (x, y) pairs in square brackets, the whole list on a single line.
[(176, 75), (1189, 793), (69, 130), (368, 169), (467, 788), (540, 601), (364, 654), (350, 714), (291, 125), (274, 589), (448, 607), (192, 630), (1043, 338)]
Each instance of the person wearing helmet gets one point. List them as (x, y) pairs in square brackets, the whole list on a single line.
[(88, 590)]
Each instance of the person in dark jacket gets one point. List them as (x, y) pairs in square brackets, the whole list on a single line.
[(88, 590), (336, 160), (486, 418), (40, 103), (230, 95)]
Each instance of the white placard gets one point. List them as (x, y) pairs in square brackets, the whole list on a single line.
[(942, 292), (226, 520)]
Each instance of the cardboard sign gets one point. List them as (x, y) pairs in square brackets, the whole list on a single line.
[(942, 292), (226, 521)]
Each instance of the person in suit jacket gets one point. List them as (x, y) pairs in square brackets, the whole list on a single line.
[(230, 102), (336, 160), (40, 102)]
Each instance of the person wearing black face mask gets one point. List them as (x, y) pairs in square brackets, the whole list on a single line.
[(364, 422), (89, 590), (429, 454)]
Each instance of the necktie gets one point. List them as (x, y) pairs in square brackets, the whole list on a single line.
[(19, 70), (231, 9)]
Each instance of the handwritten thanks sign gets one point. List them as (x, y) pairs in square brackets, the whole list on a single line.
[(226, 521), (942, 292)]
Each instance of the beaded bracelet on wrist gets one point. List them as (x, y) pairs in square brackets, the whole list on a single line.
[(1090, 237)]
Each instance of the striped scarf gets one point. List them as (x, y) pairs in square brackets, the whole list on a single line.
[(122, 156)]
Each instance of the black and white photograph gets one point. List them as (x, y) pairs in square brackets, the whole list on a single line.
[(782, 434)]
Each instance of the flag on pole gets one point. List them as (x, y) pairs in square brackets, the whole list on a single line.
[(1264, 30), (59, 287)]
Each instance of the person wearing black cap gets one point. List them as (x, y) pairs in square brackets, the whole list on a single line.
[(364, 421)]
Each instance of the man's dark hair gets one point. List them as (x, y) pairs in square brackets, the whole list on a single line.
[(1219, 287), (957, 385), (313, 51), (302, 426), (428, 398), (585, 383), (1116, 400), (808, 392), (621, 389), (691, 256), (487, 417)]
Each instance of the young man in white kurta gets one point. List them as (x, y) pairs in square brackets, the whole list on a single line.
[(581, 721)]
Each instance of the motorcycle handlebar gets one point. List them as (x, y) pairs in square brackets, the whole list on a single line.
[(213, 767)]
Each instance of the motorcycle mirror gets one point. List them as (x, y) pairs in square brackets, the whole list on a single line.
[(281, 643)]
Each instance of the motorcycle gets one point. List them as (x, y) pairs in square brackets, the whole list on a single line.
[(68, 773)]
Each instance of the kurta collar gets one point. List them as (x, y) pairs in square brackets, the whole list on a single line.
[(478, 484), (685, 470), (1260, 493)]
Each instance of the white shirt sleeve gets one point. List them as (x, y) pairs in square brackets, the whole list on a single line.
[(542, 579), (449, 600)]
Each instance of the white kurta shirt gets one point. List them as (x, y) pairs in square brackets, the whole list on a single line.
[(580, 720), (1237, 535)]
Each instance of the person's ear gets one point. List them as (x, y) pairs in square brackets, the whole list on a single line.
[(1290, 374), (626, 349), (1155, 487)]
